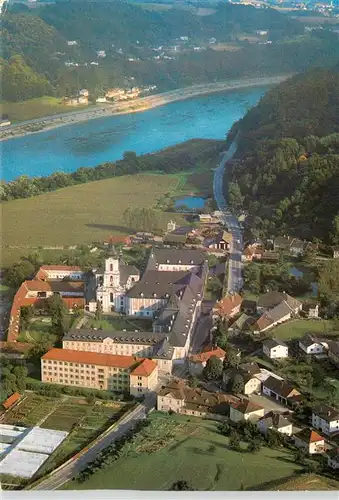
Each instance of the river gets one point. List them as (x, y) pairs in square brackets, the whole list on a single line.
[(87, 144)]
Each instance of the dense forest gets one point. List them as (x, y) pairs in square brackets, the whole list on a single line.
[(127, 31), (286, 173)]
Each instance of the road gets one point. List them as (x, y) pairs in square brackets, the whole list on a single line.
[(235, 273), (70, 470)]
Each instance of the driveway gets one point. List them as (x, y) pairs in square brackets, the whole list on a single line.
[(267, 403)]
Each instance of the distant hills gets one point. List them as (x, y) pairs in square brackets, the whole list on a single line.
[(129, 34), (286, 174)]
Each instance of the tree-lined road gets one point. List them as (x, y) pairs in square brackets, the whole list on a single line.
[(235, 273)]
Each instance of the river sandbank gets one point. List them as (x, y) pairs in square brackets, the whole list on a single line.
[(133, 106)]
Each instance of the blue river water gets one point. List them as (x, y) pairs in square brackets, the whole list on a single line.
[(96, 141)]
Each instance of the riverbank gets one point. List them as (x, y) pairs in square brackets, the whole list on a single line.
[(134, 106)]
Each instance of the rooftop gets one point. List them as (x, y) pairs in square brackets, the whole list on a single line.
[(328, 413), (309, 436), (92, 358)]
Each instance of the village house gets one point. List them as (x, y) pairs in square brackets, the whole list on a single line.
[(242, 324), (197, 362), (282, 243), (280, 390), (252, 385), (249, 306), (310, 441), (179, 398), (310, 310), (101, 99), (221, 241), (275, 308), (227, 307), (333, 352), (270, 257), (326, 419), (333, 458), (297, 247), (311, 345), (245, 410), (137, 376), (275, 349), (294, 246), (59, 272), (252, 252), (275, 421), (84, 92)]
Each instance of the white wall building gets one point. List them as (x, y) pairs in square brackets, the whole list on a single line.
[(326, 419), (275, 349)]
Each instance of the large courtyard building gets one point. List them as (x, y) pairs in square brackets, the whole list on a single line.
[(137, 376)]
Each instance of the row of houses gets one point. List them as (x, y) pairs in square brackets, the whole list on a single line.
[(179, 398)]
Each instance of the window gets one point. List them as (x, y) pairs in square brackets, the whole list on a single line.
[(140, 384), (111, 267), (139, 389), (111, 298), (139, 378)]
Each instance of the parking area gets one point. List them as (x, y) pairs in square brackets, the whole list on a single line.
[(267, 403)]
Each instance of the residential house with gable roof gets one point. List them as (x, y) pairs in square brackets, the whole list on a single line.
[(275, 308), (179, 398), (245, 410), (326, 419), (275, 349), (333, 458), (280, 390), (310, 344), (227, 307), (310, 441), (197, 362), (275, 421)]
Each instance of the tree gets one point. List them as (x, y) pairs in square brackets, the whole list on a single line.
[(231, 359), (213, 368), (181, 486), (300, 456), (98, 312), (193, 381), (234, 442), (254, 446), (57, 310), (26, 314), (237, 384)]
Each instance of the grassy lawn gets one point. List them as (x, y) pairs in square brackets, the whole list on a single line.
[(192, 451), (121, 323), (298, 328), (36, 330), (36, 108), (97, 213)]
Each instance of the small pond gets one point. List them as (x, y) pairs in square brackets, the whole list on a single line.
[(192, 202)]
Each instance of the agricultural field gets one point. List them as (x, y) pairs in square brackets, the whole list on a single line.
[(298, 328), (96, 215), (183, 448), (83, 420)]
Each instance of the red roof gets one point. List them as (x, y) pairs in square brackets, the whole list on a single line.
[(94, 358), (204, 356), (146, 368), (60, 268), (226, 305), (11, 400), (246, 406)]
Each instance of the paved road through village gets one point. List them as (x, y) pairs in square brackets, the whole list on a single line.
[(235, 273)]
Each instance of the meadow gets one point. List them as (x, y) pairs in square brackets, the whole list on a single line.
[(36, 108), (296, 329), (193, 451), (80, 214)]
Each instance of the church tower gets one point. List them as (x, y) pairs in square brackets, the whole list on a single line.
[(112, 273)]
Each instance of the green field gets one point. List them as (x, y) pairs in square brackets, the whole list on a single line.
[(298, 328), (307, 482), (193, 451), (36, 108), (81, 214)]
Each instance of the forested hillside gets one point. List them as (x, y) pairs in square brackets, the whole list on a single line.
[(286, 174), (130, 35)]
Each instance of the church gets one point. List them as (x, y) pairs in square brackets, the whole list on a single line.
[(112, 283)]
